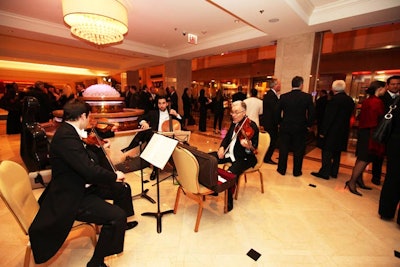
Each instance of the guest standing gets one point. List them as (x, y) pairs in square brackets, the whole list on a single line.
[(187, 107), (203, 102), (268, 119), (334, 131), (218, 108), (393, 88), (254, 107), (296, 116), (239, 95), (372, 110), (390, 194)]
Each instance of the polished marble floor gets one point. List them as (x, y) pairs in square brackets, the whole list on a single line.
[(291, 224)]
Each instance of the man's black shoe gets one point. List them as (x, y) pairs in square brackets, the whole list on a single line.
[(270, 161), (153, 175), (130, 225), (317, 174), (281, 172), (96, 264)]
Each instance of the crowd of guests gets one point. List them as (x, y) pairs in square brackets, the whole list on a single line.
[(288, 118)]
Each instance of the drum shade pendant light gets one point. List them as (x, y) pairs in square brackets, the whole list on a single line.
[(101, 22)]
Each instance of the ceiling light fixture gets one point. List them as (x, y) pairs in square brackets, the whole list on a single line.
[(103, 22)]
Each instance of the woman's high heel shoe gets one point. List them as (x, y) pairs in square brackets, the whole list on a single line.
[(363, 186), (354, 191)]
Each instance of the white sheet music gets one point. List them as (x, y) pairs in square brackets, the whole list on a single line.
[(159, 150)]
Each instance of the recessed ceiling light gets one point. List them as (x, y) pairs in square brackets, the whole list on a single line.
[(273, 20), (236, 21)]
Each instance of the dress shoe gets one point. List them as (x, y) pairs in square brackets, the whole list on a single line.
[(131, 225), (281, 172), (317, 174), (334, 176), (297, 174), (270, 161), (386, 218), (352, 190), (153, 175), (376, 181)]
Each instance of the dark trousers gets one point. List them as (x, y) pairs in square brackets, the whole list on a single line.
[(218, 117), (94, 209), (377, 168), (295, 142), (330, 163), (272, 145), (390, 193)]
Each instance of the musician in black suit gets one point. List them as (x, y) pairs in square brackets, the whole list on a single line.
[(334, 131), (153, 121), (77, 191), (235, 149), (393, 88), (295, 114), (268, 119)]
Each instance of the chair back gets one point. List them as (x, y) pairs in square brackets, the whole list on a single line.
[(16, 192), (187, 168), (263, 145)]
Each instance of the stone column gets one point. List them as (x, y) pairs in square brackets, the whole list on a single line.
[(294, 56), (178, 73), (132, 78)]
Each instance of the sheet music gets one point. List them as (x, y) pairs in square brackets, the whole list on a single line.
[(222, 180), (159, 150)]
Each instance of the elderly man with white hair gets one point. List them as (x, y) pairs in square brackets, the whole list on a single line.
[(335, 130)]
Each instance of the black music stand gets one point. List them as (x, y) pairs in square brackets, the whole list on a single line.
[(143, 194), (152, 155)]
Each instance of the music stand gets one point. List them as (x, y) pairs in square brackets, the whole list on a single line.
[(181, 136), (153, 155), (143, 194)]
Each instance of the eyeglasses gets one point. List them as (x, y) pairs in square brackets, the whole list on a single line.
[(236, 112)]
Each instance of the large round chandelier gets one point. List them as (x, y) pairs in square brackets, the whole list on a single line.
[(101, 22)]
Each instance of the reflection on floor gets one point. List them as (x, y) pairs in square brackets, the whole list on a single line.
[(291, 224)]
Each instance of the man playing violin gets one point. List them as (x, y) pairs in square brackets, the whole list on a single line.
[(161, 120), (239, 145), (77, 191)]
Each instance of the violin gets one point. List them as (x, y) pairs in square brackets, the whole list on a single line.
[(93, 140), (245, 131)]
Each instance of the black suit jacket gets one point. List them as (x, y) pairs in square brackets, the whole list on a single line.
[(72, 169), (270, 104), (336, 122), (238, 150), (295, 112)]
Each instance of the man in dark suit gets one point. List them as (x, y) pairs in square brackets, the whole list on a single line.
[(238, 150), (239, 95), (173, 98), (268, 119), (78, 191), (295, 114), (393, 88), (334, 131), (153, 121)]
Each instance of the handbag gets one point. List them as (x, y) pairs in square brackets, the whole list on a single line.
[(382, 131)]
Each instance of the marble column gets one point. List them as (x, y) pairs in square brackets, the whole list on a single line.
[(294, 57), (178, 73)]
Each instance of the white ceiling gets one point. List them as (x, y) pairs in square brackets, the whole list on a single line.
[(34, 31)]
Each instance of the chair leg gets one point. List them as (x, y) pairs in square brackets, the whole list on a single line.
[(199, 213), (178, 195), (245, 178), (28, 252), (261, 181), (226, 200), (237, 188)]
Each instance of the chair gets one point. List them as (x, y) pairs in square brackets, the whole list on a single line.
[(187, 167), (263, 144), (17, 194)]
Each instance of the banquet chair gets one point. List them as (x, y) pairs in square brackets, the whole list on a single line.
[(17, 194), (263, 145), (187, 167)]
